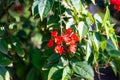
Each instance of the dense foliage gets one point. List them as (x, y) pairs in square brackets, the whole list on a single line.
[(56, 40)]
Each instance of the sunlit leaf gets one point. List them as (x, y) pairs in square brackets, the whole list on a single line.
[(44, 7), (66, 73), (84, 70)]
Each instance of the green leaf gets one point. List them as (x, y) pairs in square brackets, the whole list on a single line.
[(19, 49), (4, 60), (83, 70), (3, 46), (44, 7), (35, 7), (55, 73), (4, 74), (110, 46), (1, 77), (82, 29), (32, 75), (106, 18), (66, 73), (98, 22), (93, 1), (91, 17), (76, 4), (114, 54), (95, 42), (36, 59), (63, 61), (52, 59), (112, 64), (88, 51)]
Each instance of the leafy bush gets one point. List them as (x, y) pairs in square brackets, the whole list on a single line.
[(55, 40)]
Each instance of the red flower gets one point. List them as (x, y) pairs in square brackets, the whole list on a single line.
[(68, 31), (50, 43), (58, 40), (117, 7), (54, 33), (72, 48), (66, 38), (59, 49), (74, 37), (116, 4)]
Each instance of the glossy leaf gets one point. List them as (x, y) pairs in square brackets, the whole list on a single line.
[(35, 7), (44, 7), (66, 73), (106, 18), (55, 73), (83, 29), (114, 54), (76, 4), (114, 67), (88, 49), (83, 69)]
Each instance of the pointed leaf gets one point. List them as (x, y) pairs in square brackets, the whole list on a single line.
[(55, 73), (84, 70), (44, 7), (66, 73)]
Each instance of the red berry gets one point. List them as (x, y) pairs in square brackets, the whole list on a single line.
[(66, 38), (54, 33), (58, 40), (74, 37), (69, 30), (59, 49), (72, 48), (50, 43)]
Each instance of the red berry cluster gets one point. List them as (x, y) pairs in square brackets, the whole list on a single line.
[(66, 42), (116, 4)]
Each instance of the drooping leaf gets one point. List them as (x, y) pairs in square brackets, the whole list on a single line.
[(88, 49), (66, 73), (55, 73), (110, 46), (35, 7), (44, 7), (82, 29), (114, 54), (76, 4), (114, 67), (106, 18), (83, 70), (98, 22)]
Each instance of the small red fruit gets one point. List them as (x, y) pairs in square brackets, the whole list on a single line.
[(50, 43), (59, 49), (58, 40), (54, 33)]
